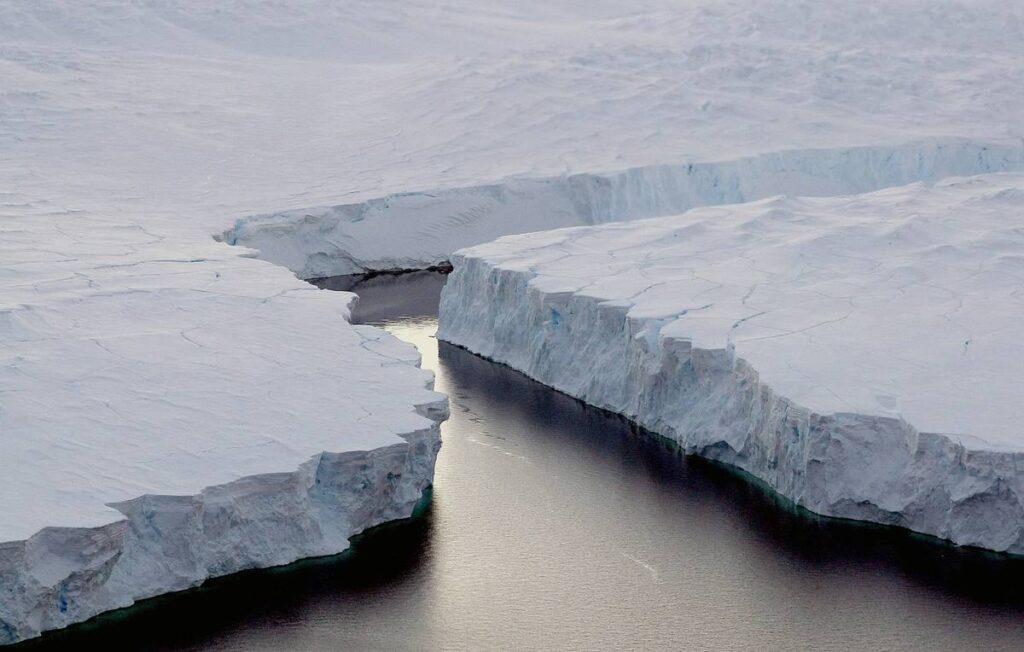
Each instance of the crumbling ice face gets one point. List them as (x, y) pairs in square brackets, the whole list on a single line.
[(859, 355)]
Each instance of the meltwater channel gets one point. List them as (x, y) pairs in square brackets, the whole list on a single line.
[(554, 525)]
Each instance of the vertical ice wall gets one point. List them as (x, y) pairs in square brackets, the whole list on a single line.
[(62, 576), (419, 229), (858, 355)]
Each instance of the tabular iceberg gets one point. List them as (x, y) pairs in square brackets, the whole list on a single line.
[(860, 355)]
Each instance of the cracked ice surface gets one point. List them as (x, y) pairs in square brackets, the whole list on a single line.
[(127, 370), (138, 357), (172, 409), (860, 354)]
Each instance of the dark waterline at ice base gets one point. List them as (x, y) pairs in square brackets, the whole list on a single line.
[(558, 526)]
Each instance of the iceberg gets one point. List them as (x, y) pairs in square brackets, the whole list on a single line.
[(859, 355)]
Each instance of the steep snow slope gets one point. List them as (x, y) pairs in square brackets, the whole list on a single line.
[(860, 355)]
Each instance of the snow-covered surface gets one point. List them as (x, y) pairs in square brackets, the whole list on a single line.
[(860, 354), (133, 365), (649, 108), (133, 132), (415, 230), (135, 371), (203, 114)]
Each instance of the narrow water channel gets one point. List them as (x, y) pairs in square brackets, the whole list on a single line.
[(557, 526)]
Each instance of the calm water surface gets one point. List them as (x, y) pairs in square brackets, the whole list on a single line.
[(557, 526)]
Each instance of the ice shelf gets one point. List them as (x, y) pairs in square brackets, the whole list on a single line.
[(418, 229), (861, 355), (173, 410), (152, 379), (340, 137)]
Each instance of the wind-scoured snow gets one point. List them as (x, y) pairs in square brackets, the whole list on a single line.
[(861, 355)]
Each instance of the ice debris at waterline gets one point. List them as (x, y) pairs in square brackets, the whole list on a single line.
[(166, 420), (861, 355)]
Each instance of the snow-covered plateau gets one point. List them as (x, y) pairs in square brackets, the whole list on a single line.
[(155, 379), (860, 355), (172, 414)]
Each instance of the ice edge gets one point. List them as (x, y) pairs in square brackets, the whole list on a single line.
[(933, 483), (65, 575), (418, 230)]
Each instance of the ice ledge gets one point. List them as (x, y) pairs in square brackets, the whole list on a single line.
[(173, 410), (828, 347), (62, 576), (415, 230)]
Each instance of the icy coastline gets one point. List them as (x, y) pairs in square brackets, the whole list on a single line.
[(859, 355)]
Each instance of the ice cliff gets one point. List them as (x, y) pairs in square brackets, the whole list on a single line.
[(153, 380), (175, 410), (859, 355), (415, 230)]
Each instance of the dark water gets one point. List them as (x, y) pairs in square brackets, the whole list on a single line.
[(557, 526)]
